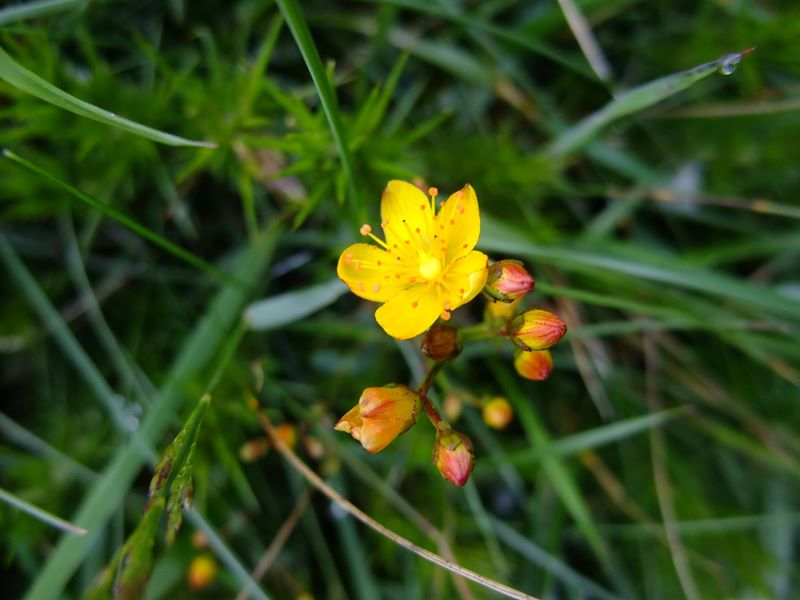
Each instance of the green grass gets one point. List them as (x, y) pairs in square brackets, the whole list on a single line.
[(178, 181)]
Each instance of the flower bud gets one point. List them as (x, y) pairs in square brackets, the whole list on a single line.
[(497, 413), (252, 450), (287, 433), (314, 447), (534, 365), (202, 571), (507, 281), (441, 342), (382, 413), (537, 329), (452, 455)]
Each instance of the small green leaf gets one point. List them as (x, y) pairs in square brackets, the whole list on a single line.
[(292, 306)]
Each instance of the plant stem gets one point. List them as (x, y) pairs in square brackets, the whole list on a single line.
[(426, 384)]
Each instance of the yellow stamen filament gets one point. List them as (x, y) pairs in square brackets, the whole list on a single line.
[(433, 192), (367, 230)]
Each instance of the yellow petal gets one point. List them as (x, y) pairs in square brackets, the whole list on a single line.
[(406, 218), (410, 312), (372, 273), (465, 278), (459, 223)]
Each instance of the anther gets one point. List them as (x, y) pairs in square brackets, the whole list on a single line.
[(365, 229)]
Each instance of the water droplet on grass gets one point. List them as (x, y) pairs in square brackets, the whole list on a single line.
[(728, 64)]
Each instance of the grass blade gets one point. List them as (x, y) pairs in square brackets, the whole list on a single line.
[(655, 267), (30, 82), (549, 563), (41, 515), (121, 218), (292, 306), (594, 438), (637, 99), (297, 24), (109, 490), (32, 10)]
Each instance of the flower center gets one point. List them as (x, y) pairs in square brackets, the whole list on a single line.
[(430, 267)]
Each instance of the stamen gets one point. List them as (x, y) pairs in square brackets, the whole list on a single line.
[(433, 192), (367, 230), (445, 315), (376, 288)]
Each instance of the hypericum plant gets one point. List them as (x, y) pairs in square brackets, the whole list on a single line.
[(425, 268)]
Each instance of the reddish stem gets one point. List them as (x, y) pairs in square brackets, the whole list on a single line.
[(426, 384)]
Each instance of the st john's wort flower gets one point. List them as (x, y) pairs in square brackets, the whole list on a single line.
[(382, 413), (427, 265)]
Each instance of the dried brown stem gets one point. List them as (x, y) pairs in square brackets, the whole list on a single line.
[(316, 481)]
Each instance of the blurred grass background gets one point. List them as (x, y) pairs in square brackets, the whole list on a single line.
[(660, 460)]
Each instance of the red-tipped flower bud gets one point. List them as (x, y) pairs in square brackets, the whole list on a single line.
[(534, 365), (536, 329), (507, 281), (382, 413), (497, 413), (441, 342), (452, 455)]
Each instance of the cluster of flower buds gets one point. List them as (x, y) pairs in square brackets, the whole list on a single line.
[(422, 268), (533, 331)]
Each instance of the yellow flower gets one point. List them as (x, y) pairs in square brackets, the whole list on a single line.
[(426, 267)]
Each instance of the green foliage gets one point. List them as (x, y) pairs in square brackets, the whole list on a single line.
[(658, 211), (170, 493)]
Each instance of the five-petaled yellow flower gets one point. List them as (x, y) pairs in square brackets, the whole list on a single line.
[(427, 266)]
